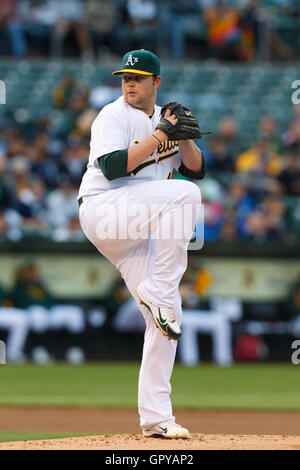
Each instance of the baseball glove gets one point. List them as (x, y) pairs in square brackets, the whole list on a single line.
[(187, 126)]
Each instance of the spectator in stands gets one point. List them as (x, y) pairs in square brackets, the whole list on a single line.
[(10, 223), (290, 175), (250, 24), (213, 209), (259, 159), (14, 141), (223, 31), (62, 203), (4, 236), (255, 227), (142, 23), (38, 18), (104, 20), (116, 297), (279, 16), (127, 317), (70, 232), (82, 127), (74, 160), (202, 283), (5, 190), (42, 124), (268, 130), (190, 299), (274, 211), (174, 13), (220, 158), (11, 28), (50, 25), (71, 19), (296, 112), (65, 89), (267, 223), (29, 289), (228, 131), (223, 146), (239, 204), (19, 171), (31, 205), (291, 138), (229, 231), (77, 106), (42, 165)]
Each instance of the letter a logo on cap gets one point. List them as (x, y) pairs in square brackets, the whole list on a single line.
[(139, 61), (131, 61)]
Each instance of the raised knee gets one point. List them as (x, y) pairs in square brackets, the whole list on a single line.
[(191, 193)]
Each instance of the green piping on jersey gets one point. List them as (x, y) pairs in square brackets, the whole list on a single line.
[(142, 166), (168, 156), (152, 162)]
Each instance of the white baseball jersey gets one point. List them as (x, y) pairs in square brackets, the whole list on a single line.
[(118, 126)]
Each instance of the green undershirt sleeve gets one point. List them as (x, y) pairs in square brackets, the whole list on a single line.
[(114, 165), (196, 175)]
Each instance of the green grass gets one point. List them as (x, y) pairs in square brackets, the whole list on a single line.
[(265, 386), (11, 436)]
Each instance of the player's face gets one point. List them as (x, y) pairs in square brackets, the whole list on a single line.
[(140, 90)]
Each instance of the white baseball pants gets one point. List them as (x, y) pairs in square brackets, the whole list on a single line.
[(154, 263)]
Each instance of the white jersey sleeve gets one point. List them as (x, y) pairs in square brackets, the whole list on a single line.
[(108, 134)]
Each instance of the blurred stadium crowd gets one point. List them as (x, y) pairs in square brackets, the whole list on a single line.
[(252, 188), (251, 191), (232, 62), (225, 29)]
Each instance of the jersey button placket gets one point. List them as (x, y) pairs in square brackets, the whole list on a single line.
[(156, 163)]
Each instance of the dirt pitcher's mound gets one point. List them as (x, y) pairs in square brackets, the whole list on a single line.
[(138, 442)]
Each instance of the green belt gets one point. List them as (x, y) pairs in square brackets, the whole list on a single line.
[(80, 201)]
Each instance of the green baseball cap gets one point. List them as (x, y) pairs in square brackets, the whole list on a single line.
[(140, 61)]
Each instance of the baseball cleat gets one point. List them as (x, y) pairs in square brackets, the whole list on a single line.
[(167, 429), (164, 318)]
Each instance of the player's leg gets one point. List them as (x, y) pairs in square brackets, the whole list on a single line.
[(120, 222), (175, 229), (172, 225), (154, 390), (159, 352), (135, 264), (160, 262)]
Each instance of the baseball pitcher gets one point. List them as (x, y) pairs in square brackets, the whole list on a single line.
[(142, 220)]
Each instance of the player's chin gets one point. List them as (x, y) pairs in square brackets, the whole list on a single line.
[(132, 98)]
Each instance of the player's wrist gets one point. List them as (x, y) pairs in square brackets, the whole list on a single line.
[(162, 136)]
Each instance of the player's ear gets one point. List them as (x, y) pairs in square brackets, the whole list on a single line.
[(157, 81)]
